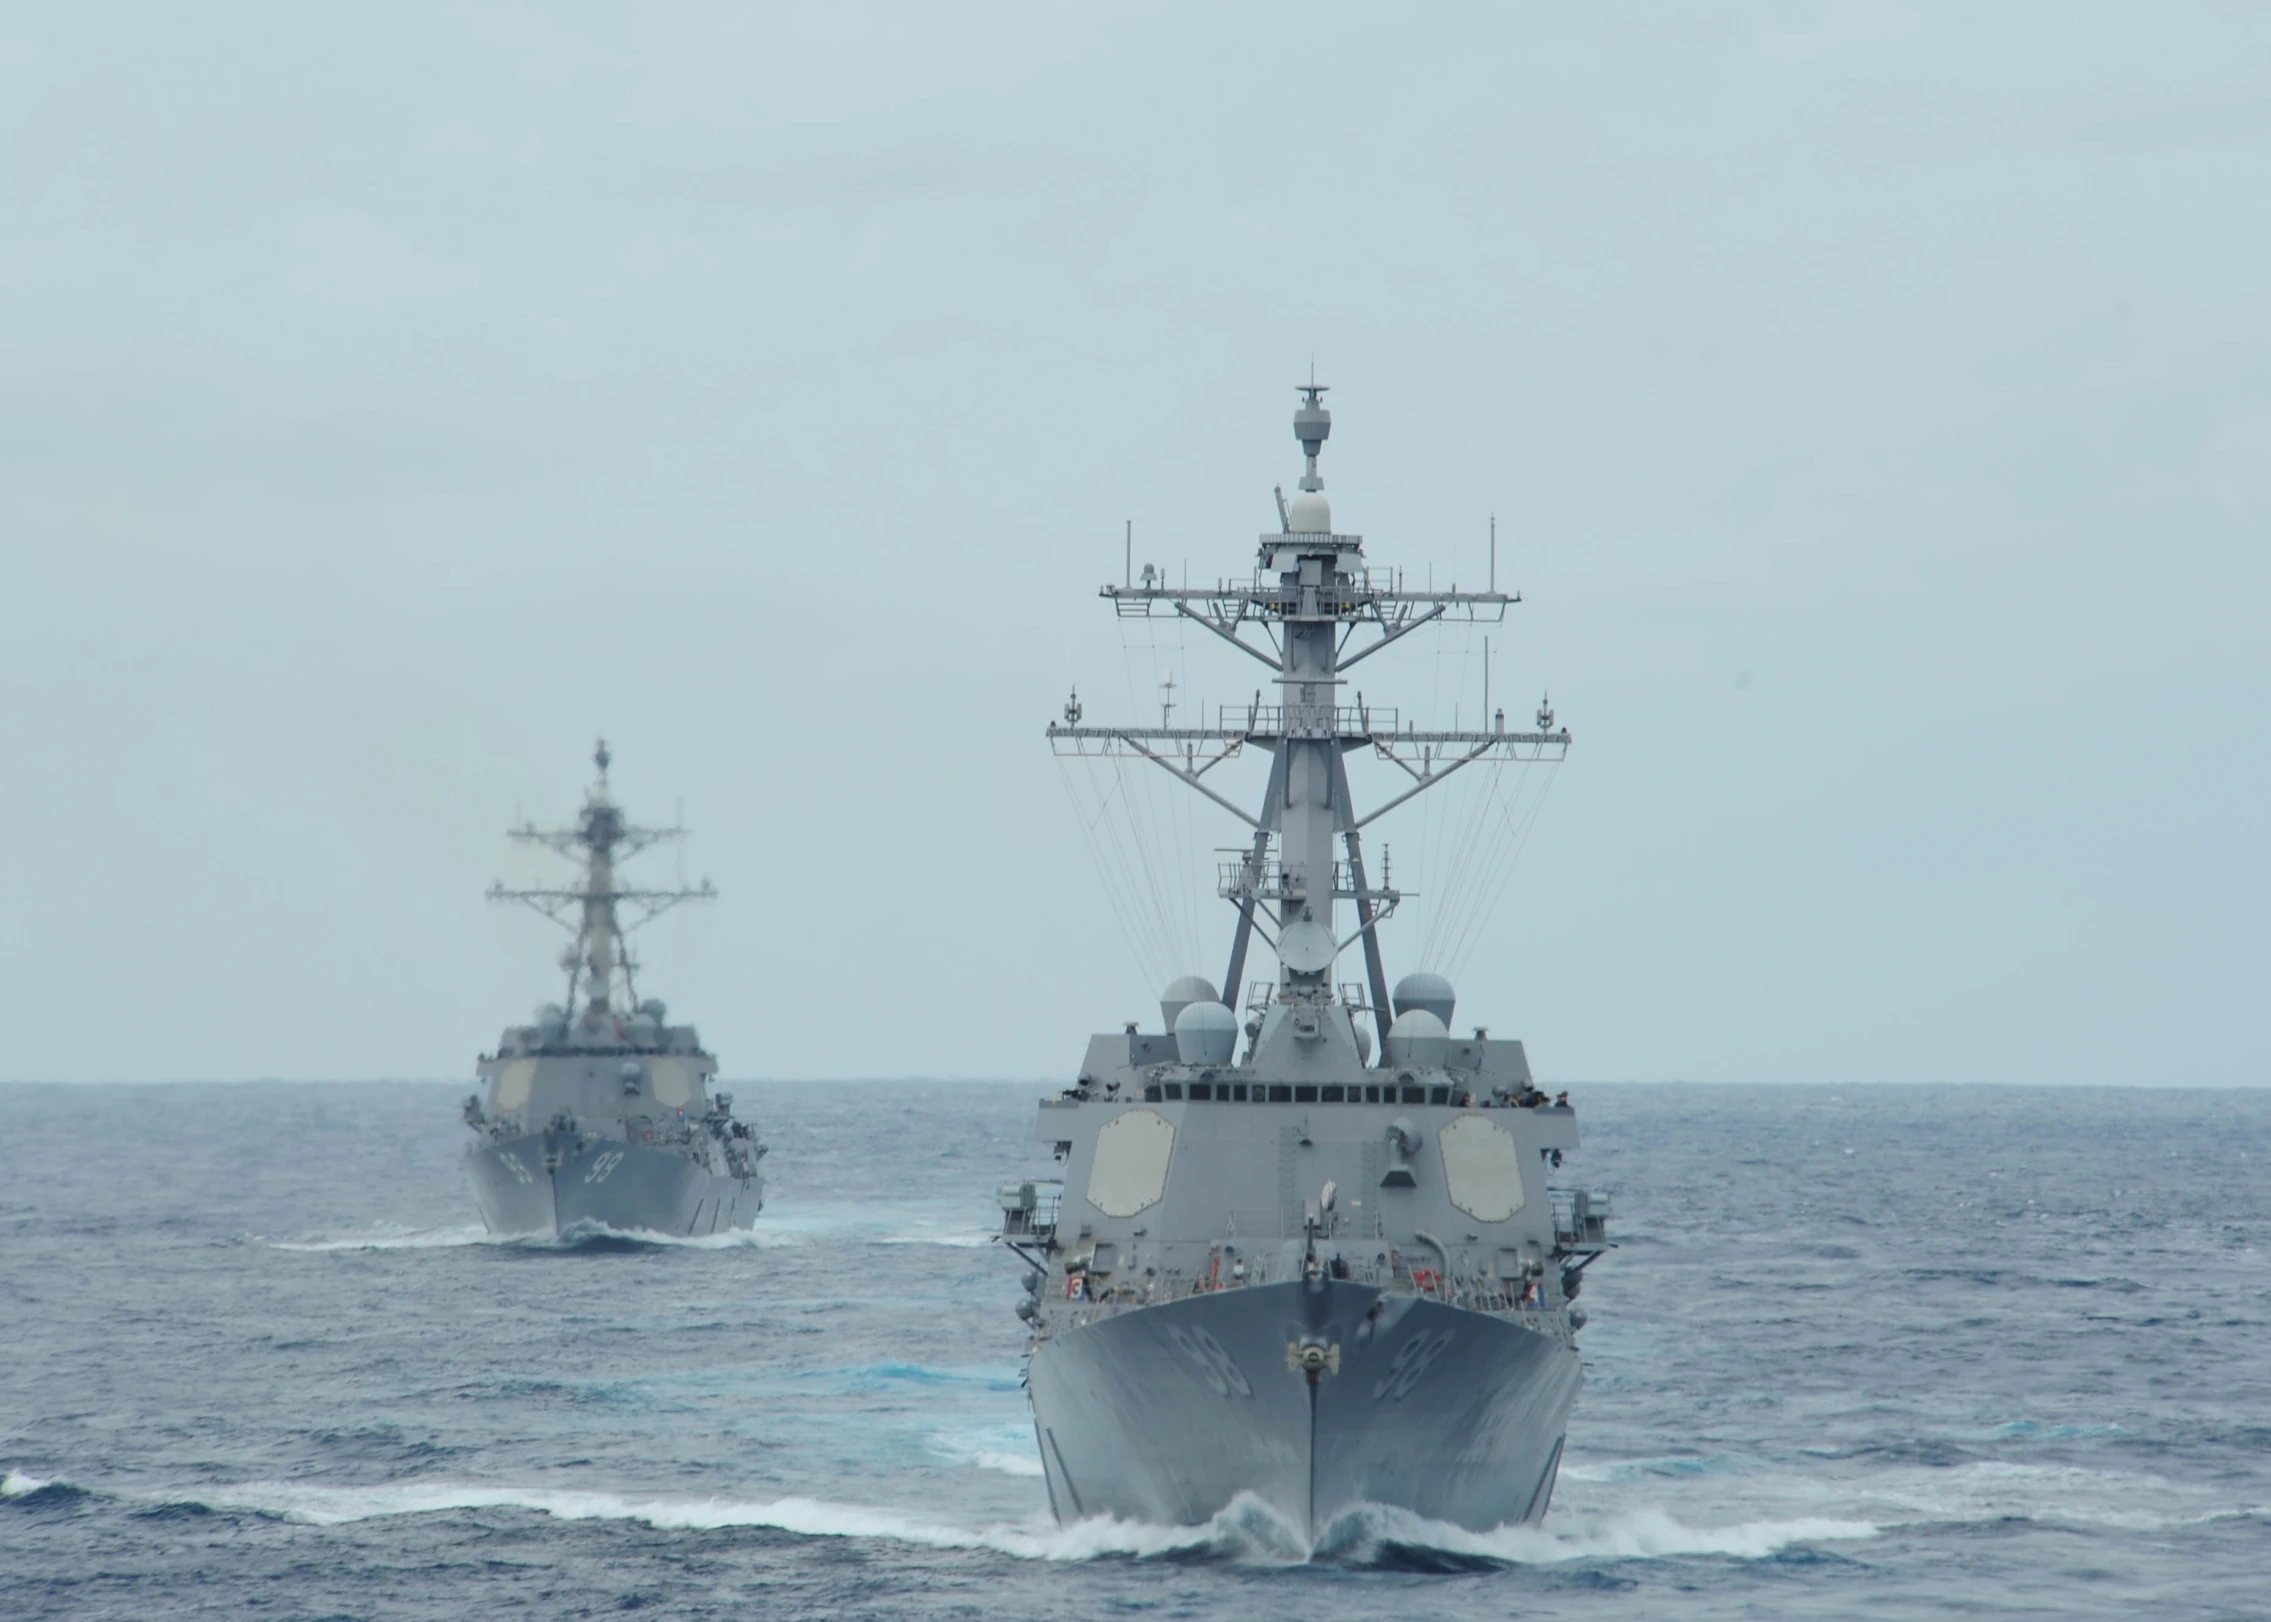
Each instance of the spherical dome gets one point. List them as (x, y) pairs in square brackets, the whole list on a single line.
[(1363, 1042), (1417, 1040), (1309, 513), (1424, 990), (1181, 993), (1205, 1033)]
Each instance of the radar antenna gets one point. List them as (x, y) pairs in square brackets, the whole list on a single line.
[(1313, 594), (594, 912)]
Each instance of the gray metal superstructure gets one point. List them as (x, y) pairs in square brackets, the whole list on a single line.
[(1293, 1273), (600, 1113)]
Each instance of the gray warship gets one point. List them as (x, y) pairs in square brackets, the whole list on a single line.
[(600, 1114), (1294, 1274)]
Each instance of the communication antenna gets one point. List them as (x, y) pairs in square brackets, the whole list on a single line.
[(599, 910), (1311, 610)]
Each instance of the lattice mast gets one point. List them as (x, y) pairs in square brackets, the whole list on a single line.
[(594, 912), (1312, 594)]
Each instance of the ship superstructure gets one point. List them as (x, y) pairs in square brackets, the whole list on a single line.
[(1299, 1272), (600, 1112)]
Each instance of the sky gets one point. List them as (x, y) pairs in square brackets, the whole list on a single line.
[(1873, 400)]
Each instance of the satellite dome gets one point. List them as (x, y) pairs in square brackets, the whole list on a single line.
[(1429, 991), (1417, 1040), (1309, 513), (655, 1009), (1363, 1042), (1180, 994), (1205, 1033)]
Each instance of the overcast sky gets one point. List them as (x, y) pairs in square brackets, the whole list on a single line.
[(1875, 401)]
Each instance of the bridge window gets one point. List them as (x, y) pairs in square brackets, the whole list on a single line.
[(1279, 1094), (1305, 1095), (1333, 1095), (1175, 1091), (1201, 1092)]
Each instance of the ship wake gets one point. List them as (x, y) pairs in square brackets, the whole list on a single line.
[(790, 1230), (1247, 1532)]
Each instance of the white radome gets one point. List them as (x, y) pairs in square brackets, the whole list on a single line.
[(1309, 513)]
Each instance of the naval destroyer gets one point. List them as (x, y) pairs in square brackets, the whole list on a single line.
[(1294, 1274), (601, 1112)]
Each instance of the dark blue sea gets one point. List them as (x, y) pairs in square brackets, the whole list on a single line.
[(1869, 1352)]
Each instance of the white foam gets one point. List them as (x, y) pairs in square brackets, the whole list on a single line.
[(1640, 1534), (1247, 1530), (2055, 1495), (1010, 1464), (776, 1228), (393, 1239), (580, 1234), (15, 1484), (1006, 1448), (1979, 1492), (810, 1517)]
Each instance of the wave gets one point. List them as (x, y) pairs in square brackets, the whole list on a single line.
[(1989, 1491), (1006, 1448), (1247, 1532), (865, 1226), (396, 1239), (1376, 1535), (808, 1517), (20, 1491), (1009, 1464), (953, 1238), (1912, 1486), (580, 1236)]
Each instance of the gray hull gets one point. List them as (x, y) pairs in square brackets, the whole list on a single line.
[(629, 1187), (1166, 1413)]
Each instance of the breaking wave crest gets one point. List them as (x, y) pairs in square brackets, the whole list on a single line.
[(808, 1517), (582, 1236), (788, 1229), (1247, 1532), (1379, 1535), (403, 1239)]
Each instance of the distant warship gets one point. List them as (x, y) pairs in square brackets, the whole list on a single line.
[(602, 1114), (1296, 1274)]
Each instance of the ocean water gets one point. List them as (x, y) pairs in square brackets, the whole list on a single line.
[(1871, 1352)]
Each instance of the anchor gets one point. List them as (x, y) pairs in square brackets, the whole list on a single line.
[(1312, 1358)]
